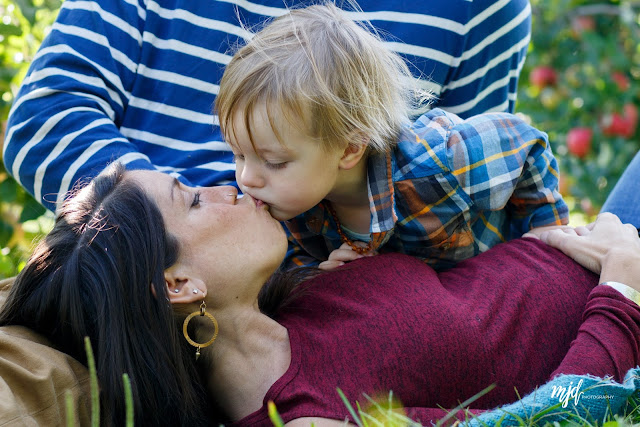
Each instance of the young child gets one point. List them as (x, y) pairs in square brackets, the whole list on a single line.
[(316, 110)]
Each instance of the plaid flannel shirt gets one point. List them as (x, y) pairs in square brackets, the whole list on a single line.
[(448, 190)]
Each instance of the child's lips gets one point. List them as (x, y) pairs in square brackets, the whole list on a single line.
[(260, 203)]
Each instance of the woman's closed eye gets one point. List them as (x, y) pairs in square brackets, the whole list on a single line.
[(196, 199)]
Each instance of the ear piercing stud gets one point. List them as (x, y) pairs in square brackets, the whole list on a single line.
[(177, 291)]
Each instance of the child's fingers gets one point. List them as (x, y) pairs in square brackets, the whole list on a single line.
[(329, 265), (344, 254)]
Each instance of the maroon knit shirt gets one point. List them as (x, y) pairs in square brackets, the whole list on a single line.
[(515, 316)]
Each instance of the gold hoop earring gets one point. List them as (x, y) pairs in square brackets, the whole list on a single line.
[(201, 312)]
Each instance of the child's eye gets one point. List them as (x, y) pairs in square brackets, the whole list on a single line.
[(237, 158), (276, 166), (196, 199)]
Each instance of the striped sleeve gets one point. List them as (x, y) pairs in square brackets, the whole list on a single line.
[(484, 77), (468, 53), (77, 90)]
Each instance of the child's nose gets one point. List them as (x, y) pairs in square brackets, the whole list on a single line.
[(251, 178)]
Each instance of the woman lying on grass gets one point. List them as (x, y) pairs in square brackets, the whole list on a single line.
[(134, 253)]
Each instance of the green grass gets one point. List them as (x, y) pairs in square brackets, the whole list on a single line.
[(95, 396), (386, 413), (391, 416)]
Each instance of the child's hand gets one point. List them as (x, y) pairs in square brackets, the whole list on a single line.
[(342, 255)]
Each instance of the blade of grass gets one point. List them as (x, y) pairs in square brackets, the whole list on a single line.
[(128, 400), (356, 419), (273, 414), (391, 415), (69, 408), (361, 413), (464, 404), (93, 380)]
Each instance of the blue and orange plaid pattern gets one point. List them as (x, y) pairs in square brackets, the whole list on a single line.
[(448, 190)]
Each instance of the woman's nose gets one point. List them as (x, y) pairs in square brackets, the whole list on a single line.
[(222, 194)]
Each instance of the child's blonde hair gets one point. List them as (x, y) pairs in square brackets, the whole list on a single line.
[(322, 71)]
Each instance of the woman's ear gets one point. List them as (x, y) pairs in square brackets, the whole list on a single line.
[(354, 152), (184, 289)]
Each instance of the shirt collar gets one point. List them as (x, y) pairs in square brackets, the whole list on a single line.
[(381, 192)]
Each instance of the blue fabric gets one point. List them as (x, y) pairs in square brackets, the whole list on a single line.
[(624, 199), (567, 397), (135, 80)]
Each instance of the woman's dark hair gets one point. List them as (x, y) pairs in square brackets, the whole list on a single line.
[(92, 276), (283, 288)]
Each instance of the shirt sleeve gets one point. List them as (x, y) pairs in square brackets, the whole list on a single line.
[(65, 121), (503, 163), (296, 256), (608, 341), (490, 53)]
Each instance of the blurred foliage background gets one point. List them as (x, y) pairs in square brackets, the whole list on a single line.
[(23, 26), (580, 84)]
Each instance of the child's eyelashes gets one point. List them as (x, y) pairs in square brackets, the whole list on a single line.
[(269, 165), (275, 166)]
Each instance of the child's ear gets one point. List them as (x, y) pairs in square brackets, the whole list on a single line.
[(354, 152)]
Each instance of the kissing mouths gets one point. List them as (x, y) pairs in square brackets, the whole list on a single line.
[(259, 203)]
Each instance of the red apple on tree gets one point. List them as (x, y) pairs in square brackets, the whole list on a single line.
[(543, 76), (621, 124), (579, 141), (582, 23), (631, 114), (613, 124), (620, 80)]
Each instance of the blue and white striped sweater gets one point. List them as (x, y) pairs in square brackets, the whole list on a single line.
[(135, 80)]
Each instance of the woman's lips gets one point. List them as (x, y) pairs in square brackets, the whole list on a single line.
[(259, 203)]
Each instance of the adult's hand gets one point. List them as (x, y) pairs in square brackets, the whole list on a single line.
[(607, 247)]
